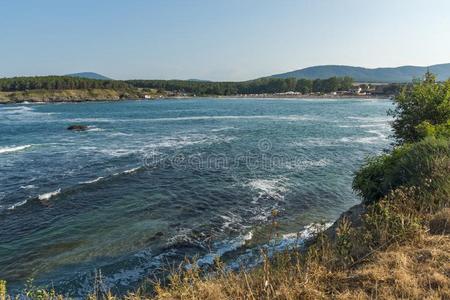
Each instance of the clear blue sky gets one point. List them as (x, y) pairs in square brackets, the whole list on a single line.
[(217, 40)]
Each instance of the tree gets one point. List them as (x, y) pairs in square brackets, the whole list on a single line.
[(419, 107)]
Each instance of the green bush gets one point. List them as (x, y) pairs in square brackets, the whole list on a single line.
[(419, 107), (425, 164)]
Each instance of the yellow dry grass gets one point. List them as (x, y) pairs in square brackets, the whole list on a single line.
[(418, 271)]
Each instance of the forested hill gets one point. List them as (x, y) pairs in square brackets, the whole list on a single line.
[(57, 83), (359, 74), (259, 86), (89, 75)]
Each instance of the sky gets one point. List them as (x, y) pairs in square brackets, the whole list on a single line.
[(226, 40)]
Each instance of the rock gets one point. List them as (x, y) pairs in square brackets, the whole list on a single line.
[(77, 127), (353, 214)]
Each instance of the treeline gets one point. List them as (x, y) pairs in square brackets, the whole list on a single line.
[(57, 83), (258, 86)]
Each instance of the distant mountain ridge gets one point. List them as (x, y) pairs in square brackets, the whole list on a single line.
[(89, 75), (360, 74)]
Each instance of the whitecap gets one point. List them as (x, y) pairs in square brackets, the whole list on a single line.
[(252, 257), (131, 170), (92, 181), (307, 164), (49, 195), (384, 119), (273, 188), (224, 247), (15, 205), (94, 128), (230, 117), (27, 187), (13, 149)]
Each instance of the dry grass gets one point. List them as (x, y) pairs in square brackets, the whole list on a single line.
[(419, 271), (440, 223)]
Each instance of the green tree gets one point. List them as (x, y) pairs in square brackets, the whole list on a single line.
[(418, 106)]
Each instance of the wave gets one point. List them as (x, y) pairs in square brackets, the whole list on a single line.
[(223, 247), (376, 125), (306, 164), (270, 117), (92, 181), (49, 195), (94, 128), (27, 187), (372, 119), (198, 118), (15, 205), (223, 129), (132, 170), (13, 149), (271, 188), (21, 113), (252, 257), (379, 137)]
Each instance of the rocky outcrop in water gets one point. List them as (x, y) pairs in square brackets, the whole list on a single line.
[(77, 127)]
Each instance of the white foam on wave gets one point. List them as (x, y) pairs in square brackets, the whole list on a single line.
[(375, 125), (273, 188), (15, 205), (377, 137), (92, 181), (94, 129), (188, 140), (119, 152), (223, 247), (120, 134), (13, 149), (223, 129), (252, 257), (27, 187), (49, 195), (232, 222), (229, 117), (21, 113), (384, 119), (131, 170), (303, 165), (89, 120)]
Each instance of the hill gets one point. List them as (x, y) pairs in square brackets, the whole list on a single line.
[(89, 75), (360, 74)]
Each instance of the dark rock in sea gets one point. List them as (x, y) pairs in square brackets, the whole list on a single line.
[(77, 127)]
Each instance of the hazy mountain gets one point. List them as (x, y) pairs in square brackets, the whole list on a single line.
[(359, 74), (89, 75)]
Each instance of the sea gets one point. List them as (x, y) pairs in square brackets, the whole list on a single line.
[(153, 183)]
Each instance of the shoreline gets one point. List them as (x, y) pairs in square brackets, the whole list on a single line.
[(255, 96)]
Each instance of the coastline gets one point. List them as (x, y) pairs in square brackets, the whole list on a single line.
[(77, 96)]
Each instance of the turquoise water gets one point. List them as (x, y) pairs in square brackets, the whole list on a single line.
[(151, 182)]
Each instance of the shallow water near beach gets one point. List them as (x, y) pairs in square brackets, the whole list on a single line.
[(151, 182)]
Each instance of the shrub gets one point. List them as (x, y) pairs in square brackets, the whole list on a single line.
[(425, 164), (425, 101), (392, 219)]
